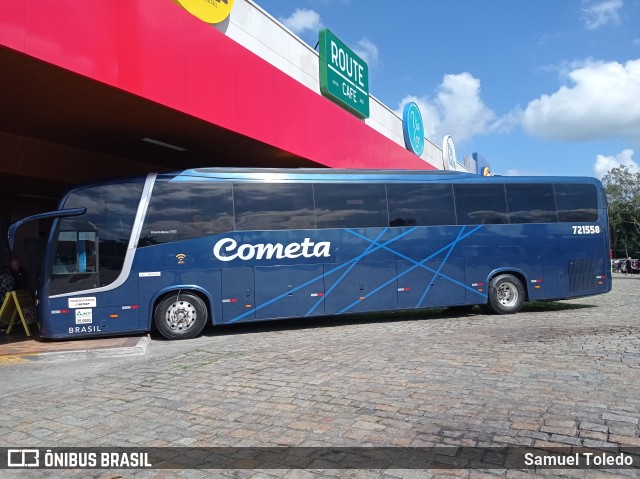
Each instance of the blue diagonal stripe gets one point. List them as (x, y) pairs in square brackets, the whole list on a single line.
[(416, 265), (426, 290), (421, 263), (337, 268), (351, 266)]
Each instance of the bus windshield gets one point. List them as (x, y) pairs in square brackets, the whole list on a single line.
[(89, 250)]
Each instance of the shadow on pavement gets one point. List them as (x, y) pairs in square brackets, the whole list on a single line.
[(541, 306), (364, 318)]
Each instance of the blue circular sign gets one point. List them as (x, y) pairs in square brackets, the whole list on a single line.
[(413, 128)]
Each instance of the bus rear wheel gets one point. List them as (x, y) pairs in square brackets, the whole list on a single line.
[(506, 294), (181, 316)]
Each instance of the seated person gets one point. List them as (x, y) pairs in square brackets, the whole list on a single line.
[(7, 283)]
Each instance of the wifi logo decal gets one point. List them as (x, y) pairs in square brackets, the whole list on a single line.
[(181, 258)]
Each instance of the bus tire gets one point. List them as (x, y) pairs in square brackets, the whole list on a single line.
[(181, 316), (506, 294)]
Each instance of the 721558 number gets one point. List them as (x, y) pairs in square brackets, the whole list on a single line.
[(586, 230)]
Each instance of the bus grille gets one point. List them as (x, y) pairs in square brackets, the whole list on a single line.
[(582, 274)]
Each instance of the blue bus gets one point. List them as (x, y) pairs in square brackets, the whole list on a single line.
[(203, 246)]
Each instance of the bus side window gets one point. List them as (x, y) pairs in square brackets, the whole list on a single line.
[(531, 203), (576, 202), (273, 206), (350, 205), (420, 204), (478, 204), (184, 210)]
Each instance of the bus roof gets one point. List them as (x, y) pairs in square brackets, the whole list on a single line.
[(328, 174), (331, 175)]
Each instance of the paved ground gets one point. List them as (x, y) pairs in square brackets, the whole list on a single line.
[(557, 374)]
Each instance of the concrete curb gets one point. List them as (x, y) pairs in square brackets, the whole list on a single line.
[(138, 350)]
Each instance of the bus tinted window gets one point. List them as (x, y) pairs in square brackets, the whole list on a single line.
[(184, 210), (576, 202), (273, 206), (420, 205), (351, 205), (532, 203), (480, 204)]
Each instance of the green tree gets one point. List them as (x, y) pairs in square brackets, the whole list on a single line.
[(622, 186)]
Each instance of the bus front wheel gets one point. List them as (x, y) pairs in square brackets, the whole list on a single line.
[(181, 316), (506, 294)]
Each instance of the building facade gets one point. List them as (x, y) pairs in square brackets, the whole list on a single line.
[(103, 88)]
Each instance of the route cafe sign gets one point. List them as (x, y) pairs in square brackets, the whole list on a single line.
[(344, 76)]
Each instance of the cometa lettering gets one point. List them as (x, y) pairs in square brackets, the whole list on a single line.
[(227, 249)]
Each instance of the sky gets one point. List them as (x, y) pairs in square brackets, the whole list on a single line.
[(537, 87)]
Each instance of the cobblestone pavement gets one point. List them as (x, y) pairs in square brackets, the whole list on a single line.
[(557, 374)]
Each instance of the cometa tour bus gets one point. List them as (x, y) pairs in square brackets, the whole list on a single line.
[(225, 246)]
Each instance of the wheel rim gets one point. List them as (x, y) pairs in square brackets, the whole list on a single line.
[(181, 315), (507, 294)]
